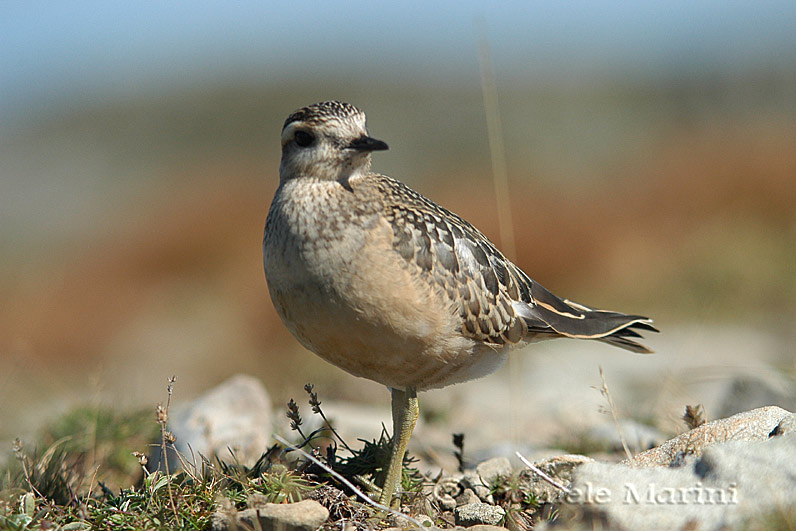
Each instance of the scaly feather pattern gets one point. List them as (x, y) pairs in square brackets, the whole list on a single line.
[(497, 302)]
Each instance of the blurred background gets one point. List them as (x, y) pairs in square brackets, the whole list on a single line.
[(650, 147)]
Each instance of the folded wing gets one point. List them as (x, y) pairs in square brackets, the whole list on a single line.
[(498, 303)]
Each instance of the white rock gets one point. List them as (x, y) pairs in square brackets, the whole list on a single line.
[(478, 513), (235, 415), (755, 425), (306, 515), (727, 486)]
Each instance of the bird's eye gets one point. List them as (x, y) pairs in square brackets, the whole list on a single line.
[(303, 138)]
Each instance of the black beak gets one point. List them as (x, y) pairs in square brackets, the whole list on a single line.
[(366, 143)]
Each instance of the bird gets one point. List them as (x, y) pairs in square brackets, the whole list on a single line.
[(387, 285)]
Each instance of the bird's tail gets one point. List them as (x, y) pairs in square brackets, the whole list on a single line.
[(548, 313)]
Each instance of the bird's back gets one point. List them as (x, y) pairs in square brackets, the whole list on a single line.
[(497, 302)]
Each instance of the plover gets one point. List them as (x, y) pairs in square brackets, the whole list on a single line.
[(384, 283)]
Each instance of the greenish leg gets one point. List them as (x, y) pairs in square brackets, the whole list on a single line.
[(404, 418)]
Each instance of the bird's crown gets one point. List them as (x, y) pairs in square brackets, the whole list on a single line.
[(322, 112)]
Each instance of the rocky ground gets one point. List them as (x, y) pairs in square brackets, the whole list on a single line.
[(606, 433), (730, 473)]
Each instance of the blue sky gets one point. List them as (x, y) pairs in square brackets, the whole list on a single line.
[(54, 50)]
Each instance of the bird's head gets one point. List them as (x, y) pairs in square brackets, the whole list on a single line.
[(326, 140)]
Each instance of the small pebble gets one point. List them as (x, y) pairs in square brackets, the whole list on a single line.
[(478, 513)]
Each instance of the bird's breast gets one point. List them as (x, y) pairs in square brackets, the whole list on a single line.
[(346, 294), (311, 234)]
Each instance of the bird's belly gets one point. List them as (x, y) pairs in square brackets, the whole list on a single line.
[(370, 315), (371, 348)]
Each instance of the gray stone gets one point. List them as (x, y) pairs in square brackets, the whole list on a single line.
[(494, 470), (445, 491), (224, 516), (558, 468), (467, 497), (472, 480), (744, 393), (755, 425), (236, 415), (765, 471), (306, 515), (403, 522), (221, 521), (423, 519), (561, 466), (478, 513), (729, 485)]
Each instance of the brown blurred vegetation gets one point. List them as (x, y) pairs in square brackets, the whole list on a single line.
[(694, 222)]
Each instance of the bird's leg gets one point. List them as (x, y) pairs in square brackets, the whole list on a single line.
[(404, 418)]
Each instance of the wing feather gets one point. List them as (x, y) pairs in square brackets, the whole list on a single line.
[(497, 302)]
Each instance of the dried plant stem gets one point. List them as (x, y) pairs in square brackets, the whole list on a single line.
[(162, 418), (604, 391), (694, 416), (348, 484), (542, 475), (500, 175), (20, 455), (316, 408), (500, 179), (334, 431)]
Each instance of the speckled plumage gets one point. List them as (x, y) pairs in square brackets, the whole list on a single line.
[(388, 285)]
